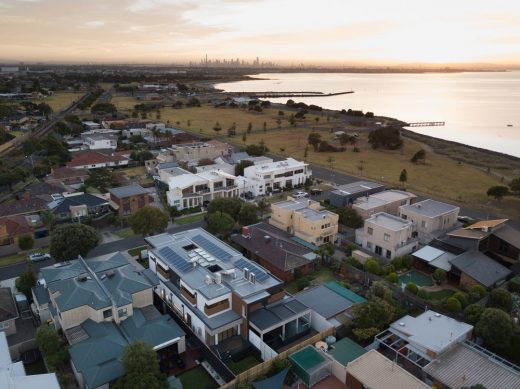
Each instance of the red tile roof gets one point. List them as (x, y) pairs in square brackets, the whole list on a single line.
[(16, 225), (66, 172), (93, 158)]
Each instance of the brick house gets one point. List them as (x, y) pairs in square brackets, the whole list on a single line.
[(129, 199)]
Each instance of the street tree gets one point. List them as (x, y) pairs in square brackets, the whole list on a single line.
[(26, 281), (403, 177), (498, 192), (148, 220), (26, 242), (263, 206), (247, 214), (220, 223), (70, 240), (314, 140), (228, 205)]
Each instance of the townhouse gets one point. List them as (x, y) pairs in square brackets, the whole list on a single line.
[(387, 201)]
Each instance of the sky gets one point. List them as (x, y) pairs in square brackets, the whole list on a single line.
[(283, 31)]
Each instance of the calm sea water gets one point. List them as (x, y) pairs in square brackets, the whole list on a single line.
[(477, 107)]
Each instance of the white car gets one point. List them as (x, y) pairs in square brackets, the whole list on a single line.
[(300, 195), (37, 257)]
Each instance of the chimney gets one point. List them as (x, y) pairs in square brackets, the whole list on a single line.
[(246, 273), (267, 239), (245, 232), (26, 196), (252, 278)]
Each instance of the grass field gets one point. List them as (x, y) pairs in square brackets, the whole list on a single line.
[(133, 172), (126, 233), (61, 100), (440, 177), (190, 219), (124, 103)]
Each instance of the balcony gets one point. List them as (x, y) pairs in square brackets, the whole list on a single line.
[(216, 307), (230, 187), (188, 296)]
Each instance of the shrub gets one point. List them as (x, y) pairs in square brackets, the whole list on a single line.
[(453, 304), (26, 242), (392, 277), (388, 268), (302, 283), (372, 266), (472, 313), (461, 296), (422, 293), (501, 299), (412, 288), (397, 262), (407, 261), (495, 327), (476, 292), (439, 275), (514, 285), (354, 262)]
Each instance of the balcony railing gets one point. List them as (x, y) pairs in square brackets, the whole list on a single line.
[(225, 188)]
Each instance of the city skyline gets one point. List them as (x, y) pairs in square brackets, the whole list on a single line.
[(286, 33)]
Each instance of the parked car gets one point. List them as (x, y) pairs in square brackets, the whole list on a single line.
[(300, 195), (37, 257)]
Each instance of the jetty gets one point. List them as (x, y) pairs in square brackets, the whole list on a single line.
[(424, 124), (273, 94)]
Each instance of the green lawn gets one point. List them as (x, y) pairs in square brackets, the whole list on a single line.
[(135, 251), (18, 258), (197, 378), (126, 233), (438, 297), (243, 365), (190, 218)]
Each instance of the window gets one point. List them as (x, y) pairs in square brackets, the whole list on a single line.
[(423, 224), (403, 216), (387, 237), (122, 312), (379, 250), (4, 325), (107, 314), (388, 254), (370, 231), (370, 246)]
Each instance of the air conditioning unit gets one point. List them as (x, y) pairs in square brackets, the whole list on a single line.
[(218, 278)]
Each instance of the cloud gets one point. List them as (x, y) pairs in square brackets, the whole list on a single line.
[(94, 24)]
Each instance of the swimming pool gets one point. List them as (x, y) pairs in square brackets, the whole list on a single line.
[(418, 278)]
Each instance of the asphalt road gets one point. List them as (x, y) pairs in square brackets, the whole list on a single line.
[(106, 248)]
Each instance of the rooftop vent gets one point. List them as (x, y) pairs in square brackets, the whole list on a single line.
[(401, 324), (208, 280), (110, 274), (82, 278), (437, 314), (267, 238)]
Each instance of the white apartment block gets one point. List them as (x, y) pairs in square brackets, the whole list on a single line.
[(388, 236), (99, 141), (195, 151), (189, 190), (275, 175)]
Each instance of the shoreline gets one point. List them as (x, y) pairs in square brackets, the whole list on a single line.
[(417, 135)]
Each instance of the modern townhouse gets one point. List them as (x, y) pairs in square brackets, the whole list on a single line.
[(263, 178), (387, 201), (189, 190), (222, 295), (305, 219), (432, 218), (388, 236), (343, 195), (187, 152)]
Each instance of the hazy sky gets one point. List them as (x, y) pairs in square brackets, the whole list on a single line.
[(285, 31)]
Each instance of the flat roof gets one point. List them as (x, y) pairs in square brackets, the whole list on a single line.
[(429, 208), (382, 198), (430, 330), (376, 371), (276, 313), (356, 187), (127, 191), (464, 366), (388, 221), (435, 257)]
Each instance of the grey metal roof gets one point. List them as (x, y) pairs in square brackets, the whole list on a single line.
[(167, 165), (464, 366), (324, 301), (480, 267), (277, 312), (211, 251), (127, 191), (41, 295), (8, 309), (83, 199), (509, 235), (356, 187), (429, 208)]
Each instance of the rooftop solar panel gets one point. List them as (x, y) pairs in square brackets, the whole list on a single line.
[(212, 248), (260, 274), (175, 259)]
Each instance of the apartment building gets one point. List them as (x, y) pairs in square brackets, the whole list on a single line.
[(262, 178), (196, 151), (433, 218), (387, 201), (216, 290), (388, 236), (305, 219), (97, 141), (189, 190), (103, 304), (129, 199)]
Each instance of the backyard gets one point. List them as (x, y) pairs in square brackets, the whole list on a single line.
[(243, 365), (197, 378), (319, 277)]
